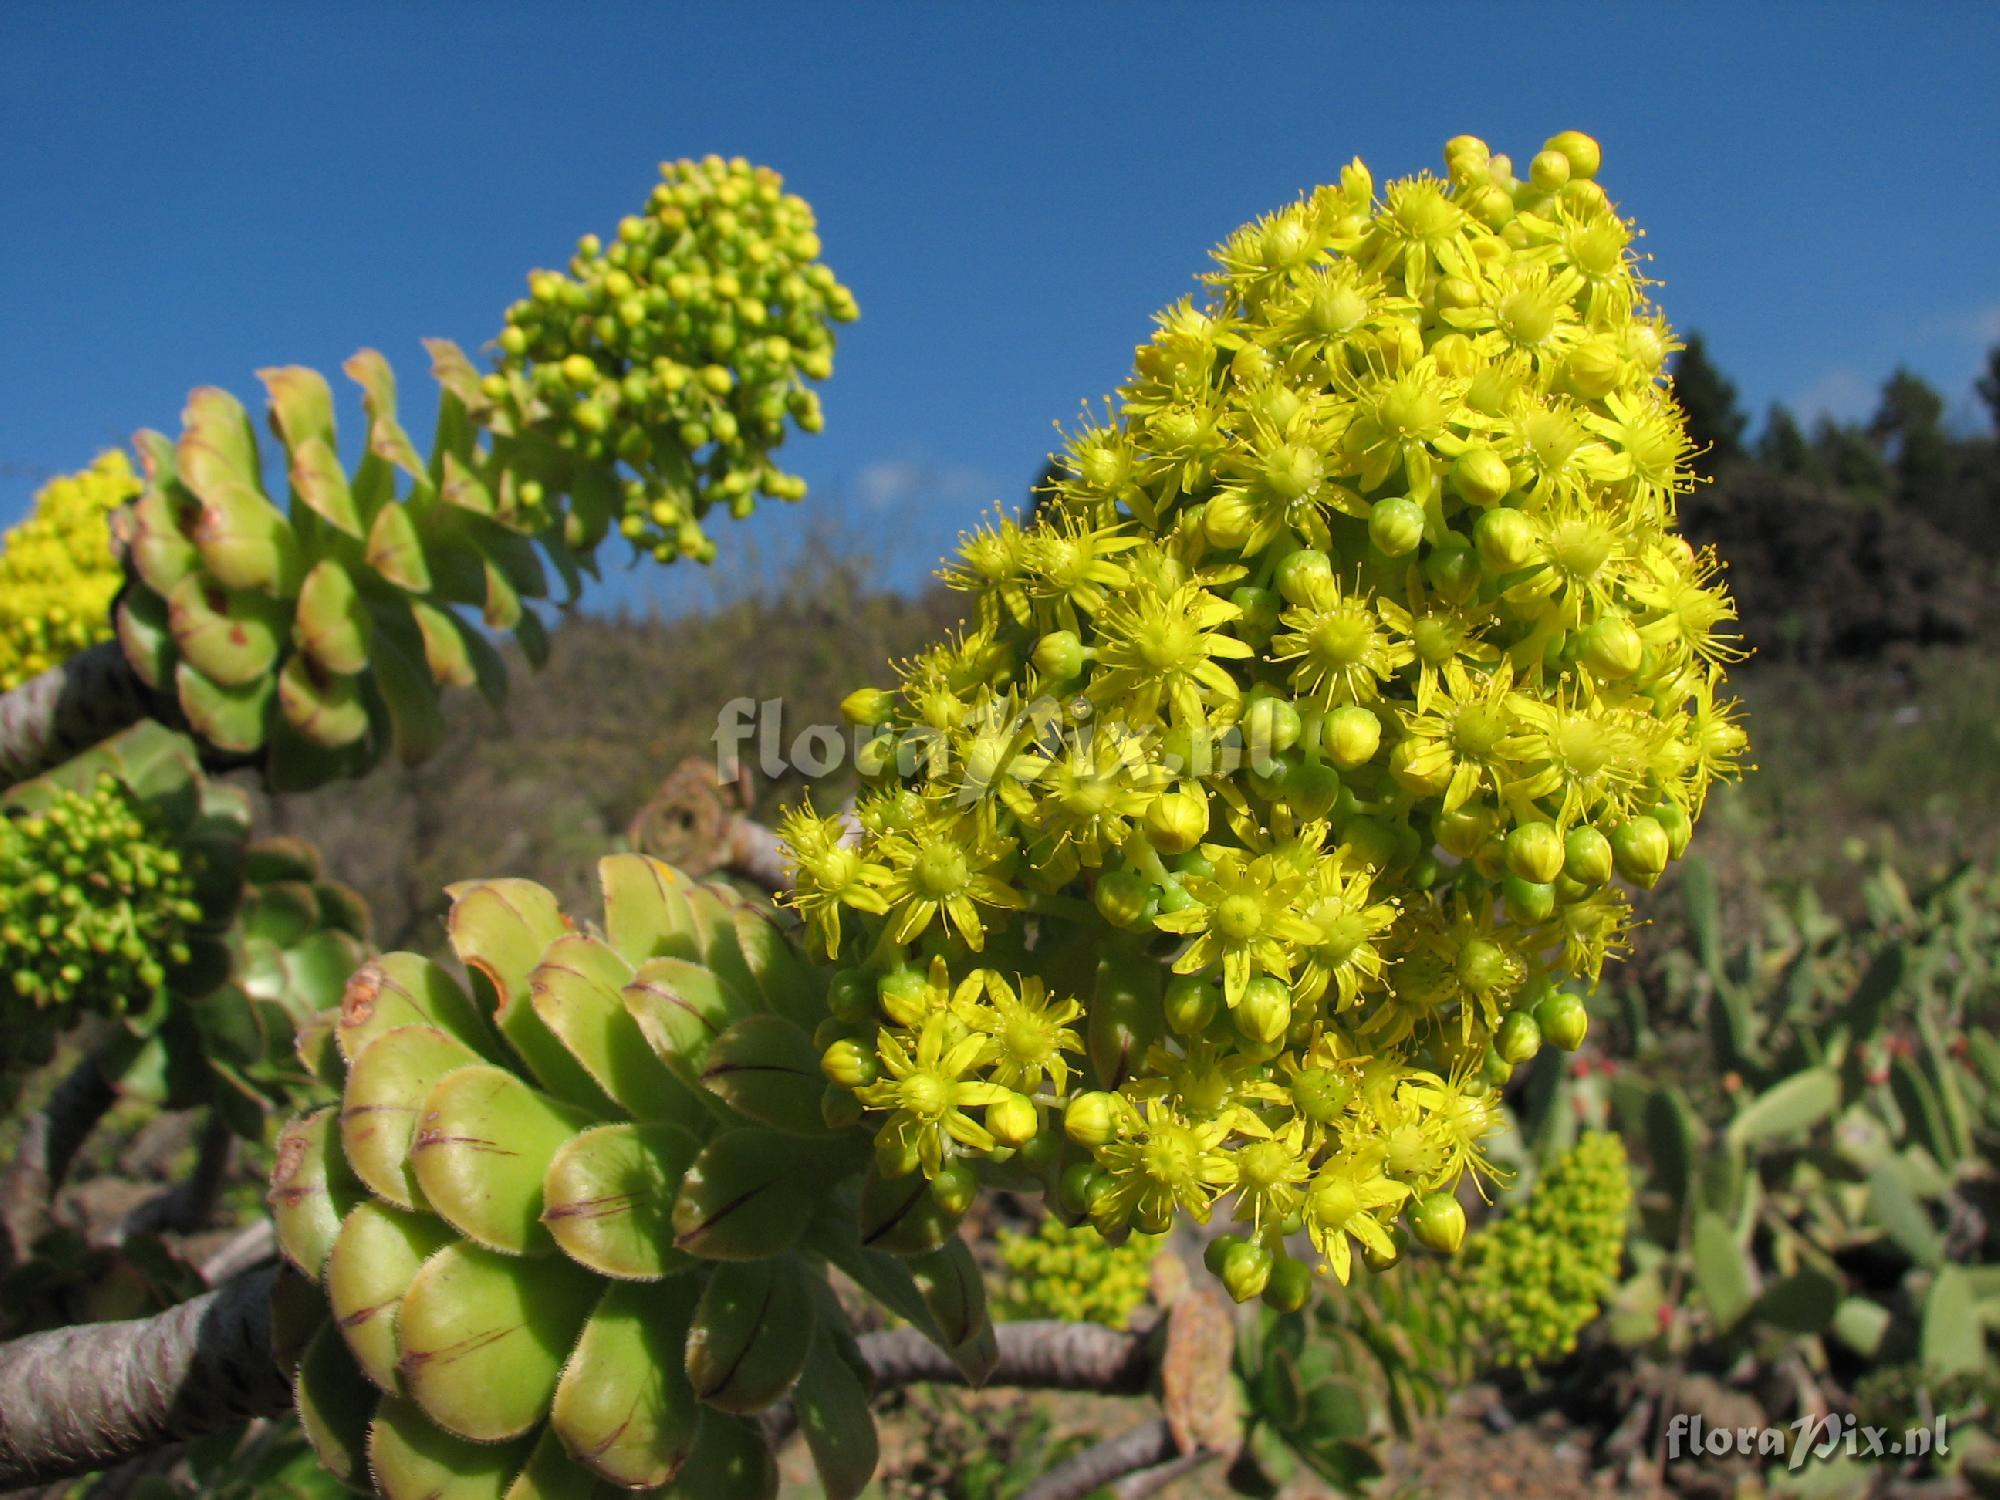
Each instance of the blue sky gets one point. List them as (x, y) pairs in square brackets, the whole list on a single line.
[(190, 192)]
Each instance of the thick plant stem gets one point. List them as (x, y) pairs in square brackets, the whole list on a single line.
[(1044, 1355), (49, 1142), (51, 718), (1144, 1447), (93, 1396)]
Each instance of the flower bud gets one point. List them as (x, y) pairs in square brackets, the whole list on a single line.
[(1505, 539), (1092, 1118), (1671, 816), (1176, 821), (868, 706), (1290, 1286), (1271, 726), (1121, 896), (1519, 1037), (1228, 521), (1264, 1013), (1059, 656), (1640, 849), (1073, 1187), (1563, 1019), (1261, 608), (1535, 852), (1585, 156), (954, 1187), (1437, 1222), (904, 995), (1481, 476), (1312, 790), (1191, 1003), (1548, 170), (1396, 525), (1611, 647), (1014, 1120), (1587, 857), (1528, 901), (849, 1064), (1350, 735), (896, 1154), (1246, 1270), (1304, 575)]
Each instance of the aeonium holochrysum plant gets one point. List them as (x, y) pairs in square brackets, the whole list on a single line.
[(1286, 782)]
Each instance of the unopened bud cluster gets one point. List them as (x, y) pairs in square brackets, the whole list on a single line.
[(1541, 1273), (682, 348), (1393, 511), (57, 574), (92, 905), (1073, 1273)]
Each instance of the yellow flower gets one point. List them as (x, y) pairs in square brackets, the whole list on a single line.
[(1344, 1208), (927, 1092), (1244, 919)]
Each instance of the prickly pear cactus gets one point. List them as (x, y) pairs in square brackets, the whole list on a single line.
[(325, 628), (1294, 756), (573, 1226), (57, 574)]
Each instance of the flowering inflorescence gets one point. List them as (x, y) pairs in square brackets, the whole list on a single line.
[(682, 349), (1073, 1273), (94, 907), (57, 573), (1297, 753), (1540, 1273)]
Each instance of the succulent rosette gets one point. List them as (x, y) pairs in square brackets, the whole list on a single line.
[(573, 1223), (315, 623), (1285, 786)]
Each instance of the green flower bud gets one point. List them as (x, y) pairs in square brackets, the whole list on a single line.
[(1014, 1120), (1092, 1118), (1519, 1037), (1264, 1014), (1587, 856), (1121, 896), (849, 1064), (1583, 154), (1261, 608), (1191, 1003), (1176, 821), (1673, 818), (1271, 726), (868, 707), (1304, 575), (1481, 476), (1506, 540), (1312, 790), (1640, 849), (1611, 647), (1290, 1286), (1073, 1187), (1246, 1270), (1351, 735), (1396, 525), (1437, 1222), (1563, 1019), (1527, 900), (904, 995), (1059, 656), (1535, 851), (954, 1187)]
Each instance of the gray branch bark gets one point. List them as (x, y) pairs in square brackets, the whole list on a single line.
[(94, 1396), (98, 1395), (51, 718), (1146, 1446)]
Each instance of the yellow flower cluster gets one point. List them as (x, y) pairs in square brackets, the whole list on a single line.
[(1073, 1273), (57, 575), (1293, 757), (1538, 1275), (682, 349)]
